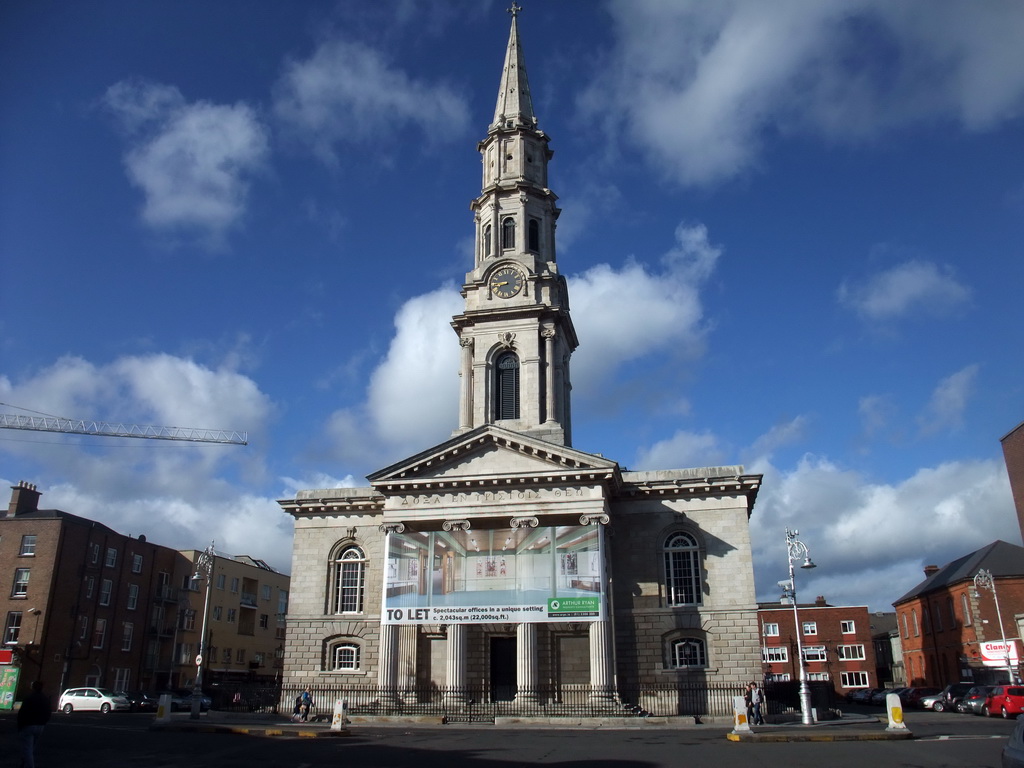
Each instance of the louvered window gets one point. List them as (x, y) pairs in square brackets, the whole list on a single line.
[(507, 387), (508, 233), (534, 235)]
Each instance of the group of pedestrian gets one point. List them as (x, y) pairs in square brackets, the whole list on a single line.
[(753, 698)]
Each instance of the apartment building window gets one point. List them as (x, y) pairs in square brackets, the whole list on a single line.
[(94, 553), (771, 630), (264, 621), (853, 679), (12, 628), (136, 563), (90, 587), (775, 654), (28, 545), (20, 586), (818, 676), (217, 612), (184, 653), (99, 633), (221, 579), (258, 658), (225, 656), (814, 653), (231, 615), (83, 627), (266, 591), (188, 620), (122, 678), (133, 596), (240, 656), (126, 637), (106, 587), (848, 627), (851, 652), (810, 627), (110, 560), (234, 585), (282, 605)]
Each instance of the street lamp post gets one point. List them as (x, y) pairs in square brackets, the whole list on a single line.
[(203, 568), (985, 579), (797, 550)]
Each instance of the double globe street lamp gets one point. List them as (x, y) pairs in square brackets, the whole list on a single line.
[(203, 569), (796, 550), (984, 579)]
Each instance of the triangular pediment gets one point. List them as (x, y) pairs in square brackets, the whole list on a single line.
[(488, 453)]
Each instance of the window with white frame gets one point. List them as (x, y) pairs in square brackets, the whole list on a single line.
[(12, 628), (221, 580), (810, 627), (28, 545), (133, 596), (232, 612), (966, 607), (689, 652), (906, 627), (771, 629), (777, 677), (122, 678), (234, 584), (345, 657), (187, 620), (111, 559), (265, 591), (128, 631), (815, 653), (99, 633), (348, 582), (94, 553), (264, 621), (853, 679), (848, 627), (136, 563), (20, 586), (184, 653), (682, 569), (90, 587), (218, 611), (83, 627), (774, 654), (917, 627), (851, 652), (225, 656), (106, 587), (818, 676), (240, 656)]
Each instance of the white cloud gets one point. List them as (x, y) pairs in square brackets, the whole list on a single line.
[(193, 161), (907, 288), (701, 86), (946, 407), (347, 92), (683, 449)]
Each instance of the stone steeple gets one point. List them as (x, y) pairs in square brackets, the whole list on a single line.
[(515, 331)]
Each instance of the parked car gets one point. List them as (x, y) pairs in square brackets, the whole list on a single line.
[(879, 697), (1005, 700), (974, 700), (930, 701), (92, 699), (915, 695), (177, 703), (862, 695), (141, 701), (951, 696), (1013, 752), (185, 694)]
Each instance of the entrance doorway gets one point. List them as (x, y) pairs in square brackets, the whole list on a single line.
[(503, 668)]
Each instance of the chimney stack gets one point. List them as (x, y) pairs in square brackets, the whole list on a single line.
[(819, 601), (24, 499), (930, 570)]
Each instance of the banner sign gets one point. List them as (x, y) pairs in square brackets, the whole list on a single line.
[(994, 653), (518, 575), (8, 685)]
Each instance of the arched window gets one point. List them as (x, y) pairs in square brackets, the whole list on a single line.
[(348, 582), (506, 387), (508, 233), (487, 240), (917, 628), (967, 610), (906, 629), (952, 613), (682, 570), (344, 657), (689, 652), (533, 235)]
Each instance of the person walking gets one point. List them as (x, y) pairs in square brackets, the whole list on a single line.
[(33, 715), (755, 705)]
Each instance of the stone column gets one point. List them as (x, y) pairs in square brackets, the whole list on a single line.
[(527, 673), (549, 379), (387, 663), (466, 384), (457, 638), (602, 688)]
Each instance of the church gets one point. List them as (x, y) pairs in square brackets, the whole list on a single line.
[(505, 565)]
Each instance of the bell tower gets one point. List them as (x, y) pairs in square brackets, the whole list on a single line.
[(515, 331)]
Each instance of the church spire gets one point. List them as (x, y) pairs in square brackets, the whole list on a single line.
[(514, 102)]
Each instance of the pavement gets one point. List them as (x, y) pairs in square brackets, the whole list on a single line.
[(847, 728)]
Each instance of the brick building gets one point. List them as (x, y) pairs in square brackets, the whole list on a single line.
[(1013, 454), (82, 604), (950, 630), (836, 640)]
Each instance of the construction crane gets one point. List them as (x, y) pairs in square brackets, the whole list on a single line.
[(106, 429)]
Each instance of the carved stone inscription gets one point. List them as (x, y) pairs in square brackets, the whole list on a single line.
[(476, 498)]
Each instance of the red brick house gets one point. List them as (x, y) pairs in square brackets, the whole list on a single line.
[(837, 644), (950, 629)]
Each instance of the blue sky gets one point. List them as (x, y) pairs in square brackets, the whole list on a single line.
[(792, 233)]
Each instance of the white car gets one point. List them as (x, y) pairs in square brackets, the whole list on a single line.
[(92, 699)]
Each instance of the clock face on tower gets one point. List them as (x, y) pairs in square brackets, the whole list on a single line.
[(506, 282)]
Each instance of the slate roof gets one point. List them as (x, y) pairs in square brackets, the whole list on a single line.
[(999, 557)]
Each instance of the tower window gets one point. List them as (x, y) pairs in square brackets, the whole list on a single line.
[(487, 240), (534, 235), (508, 233), (507, 387)]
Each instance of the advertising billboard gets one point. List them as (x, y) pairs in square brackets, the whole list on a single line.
[(542, 574), (998, 654)]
